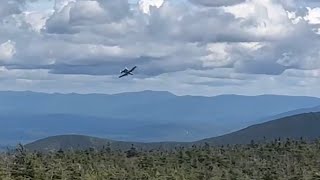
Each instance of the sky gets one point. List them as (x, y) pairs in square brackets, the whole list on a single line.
[(187, 47)]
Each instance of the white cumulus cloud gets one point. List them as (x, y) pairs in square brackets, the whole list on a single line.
[(145, 5), (7, 50), (202, 47)]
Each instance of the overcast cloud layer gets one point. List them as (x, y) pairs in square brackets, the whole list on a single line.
[(200, 48)]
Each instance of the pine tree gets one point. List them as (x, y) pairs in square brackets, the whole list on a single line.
[(22, 167)]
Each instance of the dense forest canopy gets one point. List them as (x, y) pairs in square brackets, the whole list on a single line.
[(278, 159)]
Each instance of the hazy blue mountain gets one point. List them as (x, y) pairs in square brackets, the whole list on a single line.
[(305, 125), (153, 105), (81, 142), (27, 128), (100, 105), (290, 113), (137, 116)]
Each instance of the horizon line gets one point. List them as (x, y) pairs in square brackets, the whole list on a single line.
[(153, 91)]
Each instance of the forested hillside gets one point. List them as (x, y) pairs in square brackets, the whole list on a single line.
[(289, 159)]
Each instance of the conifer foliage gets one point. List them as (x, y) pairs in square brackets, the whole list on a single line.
[(278, 159)]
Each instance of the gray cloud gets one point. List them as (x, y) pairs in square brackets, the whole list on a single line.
[(11, 7), (76, 41), (217, 3), (98, 38), (76, 16)]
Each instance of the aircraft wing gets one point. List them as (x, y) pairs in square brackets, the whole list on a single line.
[(133, 69), (123, 75)]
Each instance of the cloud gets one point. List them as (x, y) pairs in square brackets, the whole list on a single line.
[(223, 44), (145, 5), (10, 7), (217, 3), (7, 50)]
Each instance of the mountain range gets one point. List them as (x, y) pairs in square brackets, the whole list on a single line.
[(147, 116), (304, 125)]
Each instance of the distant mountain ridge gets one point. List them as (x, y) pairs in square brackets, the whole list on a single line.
[(145, 116), (291, 113), (81, 142), (305, 125), (25, 128)]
